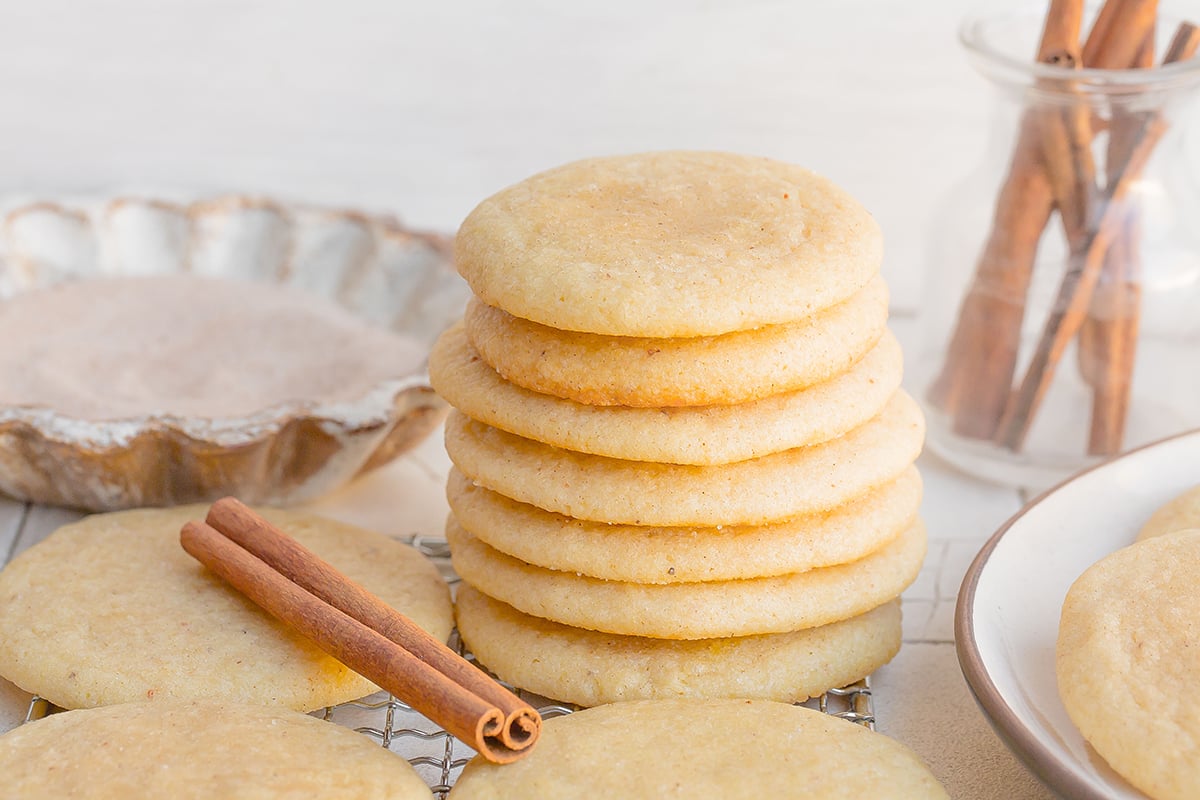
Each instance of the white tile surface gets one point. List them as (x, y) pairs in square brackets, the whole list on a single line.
[(922, 700), (925, 587), (917, 615), (959, 507)]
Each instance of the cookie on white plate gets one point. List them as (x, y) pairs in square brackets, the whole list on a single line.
[(1181, 513), (1128, 662)]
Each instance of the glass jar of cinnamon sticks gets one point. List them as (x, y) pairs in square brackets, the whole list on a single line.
[(1062, 321)]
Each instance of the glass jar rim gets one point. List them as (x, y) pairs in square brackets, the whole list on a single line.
[(972, 34)]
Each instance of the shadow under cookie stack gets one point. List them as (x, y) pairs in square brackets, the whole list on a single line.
[(683, 462)]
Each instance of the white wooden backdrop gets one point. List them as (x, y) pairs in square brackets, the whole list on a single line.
[(425, 108)]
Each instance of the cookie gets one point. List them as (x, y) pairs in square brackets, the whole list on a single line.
[(695, 371), (1182, 513), (731, 749), (589, 668), (705, 610), (678, 555), (668, 244), (111, 609), (762, 490), (696, 435), (1128, 662), (189, 749)]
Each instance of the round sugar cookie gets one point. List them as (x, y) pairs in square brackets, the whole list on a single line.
[(706, 610), (589, 668), (684, 555), (1128, 662), (696, 371), (111, 609), (201, 750), (761, 490), (694, 435), (728, 749), (668, 244), (1182, 513)]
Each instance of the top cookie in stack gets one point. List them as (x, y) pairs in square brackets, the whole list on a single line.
[(668, 245), (683, 461)]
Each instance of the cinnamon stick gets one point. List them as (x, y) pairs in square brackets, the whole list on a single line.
[(1119, 33), (300, 565), (1108, 338), (981, 359), (1075, 291), (1067, 159), (1122, 27), (461, 699)]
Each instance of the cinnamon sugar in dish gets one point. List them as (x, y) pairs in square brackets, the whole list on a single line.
[(184, 346)]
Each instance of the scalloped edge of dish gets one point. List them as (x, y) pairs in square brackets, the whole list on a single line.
[(279, 455)]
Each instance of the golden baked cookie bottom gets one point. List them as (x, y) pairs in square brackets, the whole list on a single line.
[(767, 489), (693, 371), (111, 609), (728, 749), (707, 610), (702, 435), (682, 555), (590, 668)]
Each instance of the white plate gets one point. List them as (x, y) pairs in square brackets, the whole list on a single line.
[(1006, 622)]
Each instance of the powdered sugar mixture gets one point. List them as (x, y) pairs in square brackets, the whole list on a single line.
[(187, 346)]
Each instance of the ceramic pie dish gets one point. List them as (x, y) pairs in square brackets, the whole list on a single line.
[(288, 452)]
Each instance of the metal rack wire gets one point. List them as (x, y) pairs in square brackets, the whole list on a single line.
[(438, 756)]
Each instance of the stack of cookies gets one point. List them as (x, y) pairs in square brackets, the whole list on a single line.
[(683, 463)]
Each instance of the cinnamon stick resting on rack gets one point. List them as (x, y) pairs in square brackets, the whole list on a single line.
[(309, 595)]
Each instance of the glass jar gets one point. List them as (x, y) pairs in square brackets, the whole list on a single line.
[(1061, 320)]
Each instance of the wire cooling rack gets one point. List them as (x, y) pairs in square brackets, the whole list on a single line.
[(437, 755)]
